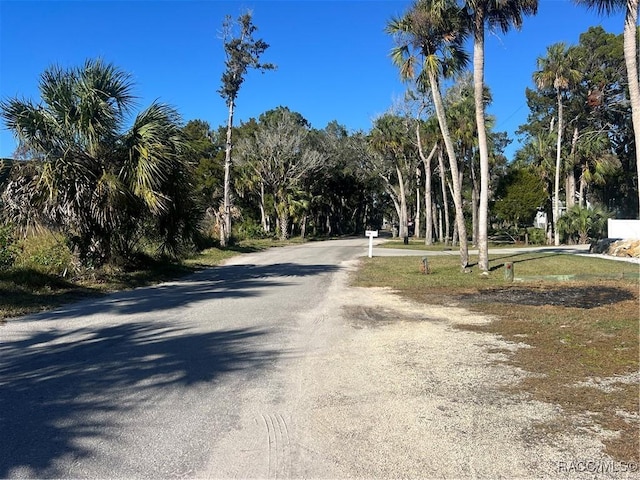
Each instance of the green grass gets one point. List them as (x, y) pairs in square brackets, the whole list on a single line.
[(445, 270), (579, 329)]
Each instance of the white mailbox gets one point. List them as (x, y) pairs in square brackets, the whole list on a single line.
[(371, 234)]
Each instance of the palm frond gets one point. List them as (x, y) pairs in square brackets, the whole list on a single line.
[(606, 7), (104, 97), (32, 125), (109, 201), (152, 144), (509, 13)]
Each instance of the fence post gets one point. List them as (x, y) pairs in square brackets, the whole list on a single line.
[(424, 268), (508, 271)]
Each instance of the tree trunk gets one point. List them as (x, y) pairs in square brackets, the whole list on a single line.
[(404, 233), (439, 220), (631, 62), (582, 200), (284, 226), (428, 236), (225, 231), (474, 217), (283, 216), (428, 212), (474, 205), (570, 174), (445, 198), (283, 223), (396, 203), (478, 89), (303, 227), (556, 188), (416, 226), (263, 214), (453, 165), (570, 187), (454, 236)]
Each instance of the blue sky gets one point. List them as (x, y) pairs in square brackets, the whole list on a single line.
[(332, 55)]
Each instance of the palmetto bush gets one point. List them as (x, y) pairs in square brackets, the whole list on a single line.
[(104, 186), (583, 224)]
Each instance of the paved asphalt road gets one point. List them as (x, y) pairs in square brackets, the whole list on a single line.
[(213, 376), (146, 383)]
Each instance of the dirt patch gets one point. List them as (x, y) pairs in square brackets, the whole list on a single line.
[(379, 316), (403, 385), (574, 342), (584, 359), (567, 296), (361, 317)]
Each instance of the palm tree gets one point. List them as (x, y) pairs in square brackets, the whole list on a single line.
[(503, 14), (630, 39), (538, 153), (557, 71), (596, 161), (460, 109), (444, 212), (430, 37), (99, 184), (584, 222)]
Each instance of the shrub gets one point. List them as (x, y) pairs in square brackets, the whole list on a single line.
[(45, 253), (250, 229), (583, 224), (536, 236), (8, 247)]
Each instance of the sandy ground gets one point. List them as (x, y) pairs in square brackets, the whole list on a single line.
[(394, 390)]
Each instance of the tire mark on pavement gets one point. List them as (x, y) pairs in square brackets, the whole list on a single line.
[(279, 446)]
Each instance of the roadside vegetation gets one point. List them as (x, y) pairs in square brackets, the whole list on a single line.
[(583, 332), (44, 276)]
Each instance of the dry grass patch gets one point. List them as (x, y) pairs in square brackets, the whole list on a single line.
[(584, 359), (584, 333)]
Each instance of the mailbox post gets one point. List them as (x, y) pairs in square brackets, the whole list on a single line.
[(371, 234)]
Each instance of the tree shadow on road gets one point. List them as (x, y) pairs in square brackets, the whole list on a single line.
[(232, 281), (72, 384), (62, 390)]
